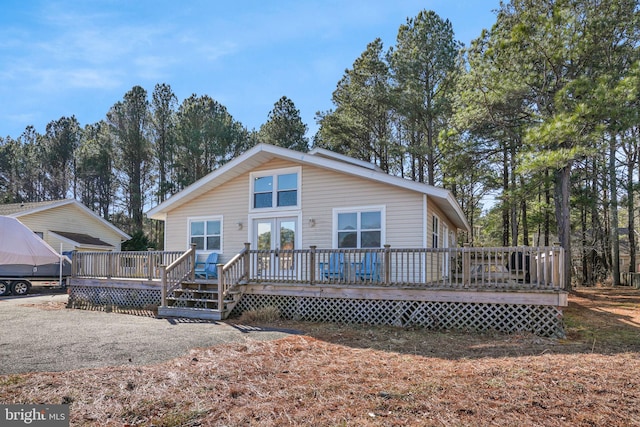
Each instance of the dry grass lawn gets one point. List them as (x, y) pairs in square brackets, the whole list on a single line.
[(336, 375)]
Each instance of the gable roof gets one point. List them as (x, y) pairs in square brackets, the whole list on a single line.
[(82, 240), (320, 158), (17, 210)]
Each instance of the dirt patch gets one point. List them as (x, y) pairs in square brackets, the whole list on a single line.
[(375, 376), (48, 305)]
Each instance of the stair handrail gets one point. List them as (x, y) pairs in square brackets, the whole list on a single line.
[(174, 274), (232, 273)]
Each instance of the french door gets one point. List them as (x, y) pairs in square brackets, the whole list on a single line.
[(275, 238)]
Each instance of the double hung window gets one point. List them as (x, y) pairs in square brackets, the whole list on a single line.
[(276, 189), (206, 234), (359, 228)]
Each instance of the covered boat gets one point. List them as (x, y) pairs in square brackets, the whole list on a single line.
[(25, 255)]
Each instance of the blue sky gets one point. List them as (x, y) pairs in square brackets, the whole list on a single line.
[(79, 57)]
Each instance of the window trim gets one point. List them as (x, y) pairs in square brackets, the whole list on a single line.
[(274, 194), (359, 209), (205, 219)]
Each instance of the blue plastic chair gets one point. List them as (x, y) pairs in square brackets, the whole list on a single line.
[(208, 268), (368, 269), (334, 269)]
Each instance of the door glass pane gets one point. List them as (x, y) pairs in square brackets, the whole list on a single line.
[(287, 243), (264, 236), (370, 220), (263, 240), (287, 235)]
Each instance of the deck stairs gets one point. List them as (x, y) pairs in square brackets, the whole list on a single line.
[(199, 300)]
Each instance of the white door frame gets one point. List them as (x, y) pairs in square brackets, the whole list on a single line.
[(275, 219)]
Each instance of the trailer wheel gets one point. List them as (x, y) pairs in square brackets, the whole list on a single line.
[(5, 289), (20, 287)]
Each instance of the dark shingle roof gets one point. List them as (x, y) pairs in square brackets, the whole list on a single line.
[(83, 239), (13, 208)]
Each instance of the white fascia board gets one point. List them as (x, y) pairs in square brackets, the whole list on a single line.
[(326, 162), (42, 208), (159, 212)]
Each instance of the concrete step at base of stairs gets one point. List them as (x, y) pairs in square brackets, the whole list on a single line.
[(190, 313)]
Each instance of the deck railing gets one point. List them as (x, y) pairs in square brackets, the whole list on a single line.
[(468, 267), (514, 268), (126, 264), (172, 275), (233, 273)]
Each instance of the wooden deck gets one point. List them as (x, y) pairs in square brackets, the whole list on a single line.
[(455, 287)]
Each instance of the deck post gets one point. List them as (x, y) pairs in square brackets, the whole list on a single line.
[(192, 274), (312, 265), (466, 265), (247, 260), (150, 267), (221, 288), (558, 270), (163, 284), (110, 261), (387, 264)]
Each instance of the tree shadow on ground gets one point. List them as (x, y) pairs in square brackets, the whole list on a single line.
[(606, 321)]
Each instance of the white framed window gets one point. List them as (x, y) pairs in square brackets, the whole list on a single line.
[(206, 233), (435, 231), (275, 189), (361, 227)]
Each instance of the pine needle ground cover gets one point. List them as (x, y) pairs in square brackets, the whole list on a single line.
[(337, 375)]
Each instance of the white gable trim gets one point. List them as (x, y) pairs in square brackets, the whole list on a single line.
[(262, 153), (82, 207)]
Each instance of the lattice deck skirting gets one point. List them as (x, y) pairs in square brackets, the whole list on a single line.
[(538, 319), (80, 296)]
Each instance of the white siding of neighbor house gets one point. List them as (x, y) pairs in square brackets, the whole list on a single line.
[(71, 219), (321, 191)]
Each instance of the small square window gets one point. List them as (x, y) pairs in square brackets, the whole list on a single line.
[(359, 229), (206, 235)]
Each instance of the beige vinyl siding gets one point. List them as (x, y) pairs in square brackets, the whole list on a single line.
[(70, 219), (321, 191), (230, 202), (432, 210)]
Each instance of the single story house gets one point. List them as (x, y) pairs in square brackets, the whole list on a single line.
[(325, 237), (67, 224)]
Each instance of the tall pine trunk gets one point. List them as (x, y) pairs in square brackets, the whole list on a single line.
[(613, 207), (562, 186)]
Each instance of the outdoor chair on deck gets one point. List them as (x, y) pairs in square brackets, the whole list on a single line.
[(334, 269), (209, 268), (368, 268)]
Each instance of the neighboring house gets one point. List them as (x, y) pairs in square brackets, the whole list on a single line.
[(68, 224), (276, 198)]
